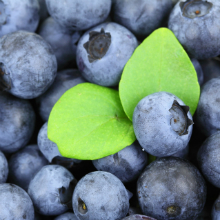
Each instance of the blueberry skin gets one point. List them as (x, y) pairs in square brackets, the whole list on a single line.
[(208, 159), (64, 80), (18, 15), (100, 196), (28, 63), (51, 190), (15, 203), (60, 40), (183, 153), (127, 164), (216, 209), (211, 69), (24, 164), (171, 188), (141, 16), (138, 217), (50, 150), (107, 70), (154, 126), (194, 33), (17, 122), (199, 71), (207, 114), (76, 15), (67, 216), (3, 168)]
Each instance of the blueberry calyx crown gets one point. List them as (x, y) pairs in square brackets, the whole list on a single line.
[(98, 45), (4, 82), (180, 121), (173, 210), (195, 8), (82, 206)]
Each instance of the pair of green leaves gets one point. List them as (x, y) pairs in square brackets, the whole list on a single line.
[(90, 121)]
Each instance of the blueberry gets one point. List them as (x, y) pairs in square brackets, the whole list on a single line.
[(64, 80), (15, 203), (24, 164), (103, 51), (43, 10), (100, 196), (127, 164), (171, 188), (162, 124), (27, 64), (3, 168), (77, 15), (208, 115), (195, 24), (51, 190), (208, 159), (67, 216), (138, 217), (211, 69), (18, 15), (141, 16), (17, 121), (198, 69), (216, 209), (50, 150), (60, 40)]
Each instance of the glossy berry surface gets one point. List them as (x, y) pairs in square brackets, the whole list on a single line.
[(179, 186), (100, 196), (51, 190), (115, 45), (27, 70), (194, 23), (162, 124), (79, 14), (127, 164), (17, 121), (15, 203)]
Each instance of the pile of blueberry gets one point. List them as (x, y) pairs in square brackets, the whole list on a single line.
[(50, 46)]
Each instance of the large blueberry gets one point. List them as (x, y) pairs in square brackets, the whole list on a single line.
[(64, 80), (162, 124), (79, 14), (211, 69), (171, 188), (100, 196), (15, 203), (208, 159), (208, 114), (27, 64), (24, 164), (3, 168), (141, 16), (60, 40), (195, 24), (50, 150), (67, 216), (127, 164), (216, 209), (18, 15), (51, 190), (103, 51), (17, 121)]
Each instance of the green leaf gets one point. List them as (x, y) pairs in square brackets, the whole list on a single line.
[(159, 64), (88, 123)]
